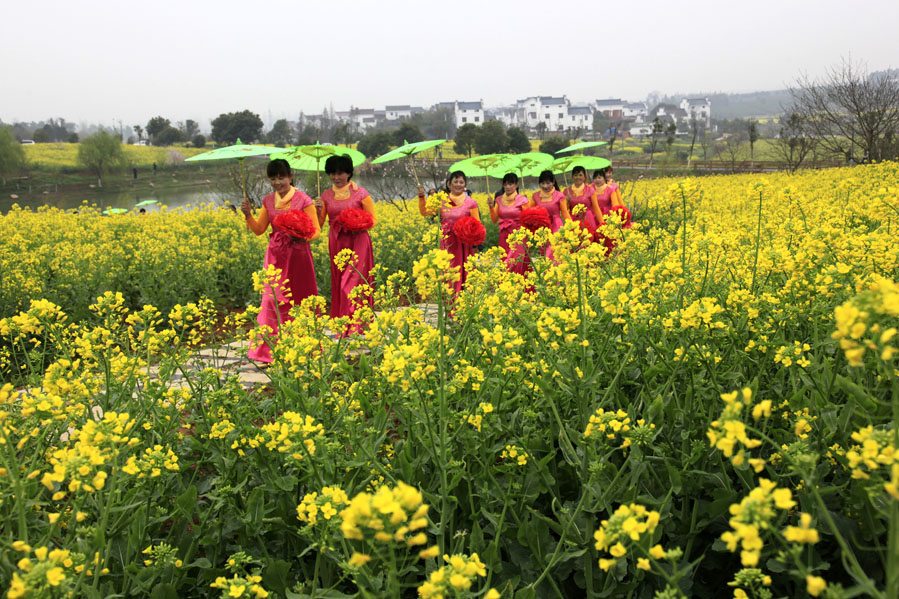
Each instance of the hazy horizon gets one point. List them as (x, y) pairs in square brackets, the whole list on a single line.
[(103, 62)]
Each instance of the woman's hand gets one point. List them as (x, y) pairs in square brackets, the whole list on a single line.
[(318, 203), (491, 201), (246, 208)]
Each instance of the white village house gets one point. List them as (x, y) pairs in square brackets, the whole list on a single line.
[(698, 108)]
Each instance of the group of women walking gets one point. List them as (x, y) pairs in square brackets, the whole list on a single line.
[(293, 256)]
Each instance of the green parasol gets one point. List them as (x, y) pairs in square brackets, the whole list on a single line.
[(109, 211), (145, 203), (566, 163), (407, 150), (581, 146), (530, 164), (482, 165), (239, 151), (312, 158)]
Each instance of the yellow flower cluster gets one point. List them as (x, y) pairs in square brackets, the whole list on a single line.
[(240, 587), (325, 504), (153, 461), (291, 434), (50, 573), (605, 426), (389, 515), (752, 516), (455, 578), (515, 454), (160, 555), (95, 445), (626, 527), (863, 322), (875, 458), (434, 275), (728, 434), (344, 258)]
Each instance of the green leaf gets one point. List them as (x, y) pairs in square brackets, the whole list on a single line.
[(286, 483), (527, 592), (164, 591), (255, 507), (187, 500), (276, 576)]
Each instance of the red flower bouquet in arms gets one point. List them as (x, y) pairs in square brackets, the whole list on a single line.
[(295, 223), (470, 230), (534, 218), (355, 220)]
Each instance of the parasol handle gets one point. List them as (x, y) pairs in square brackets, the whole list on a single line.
[(415, 174)]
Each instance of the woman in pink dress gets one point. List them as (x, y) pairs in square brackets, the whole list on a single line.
[(581, 193), (459, 204), (346, 195), (616, 192), (293, 256), (506, 209), (553, 201), (607, 195)]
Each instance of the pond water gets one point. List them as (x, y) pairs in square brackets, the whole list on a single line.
[(380, 188)]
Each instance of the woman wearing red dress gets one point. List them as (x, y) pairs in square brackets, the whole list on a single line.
[(581, 193), (346, 195), (553, 201), (459, 205), (293, 256), (506, 210)]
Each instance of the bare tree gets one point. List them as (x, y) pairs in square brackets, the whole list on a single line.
[(730, 149), (793, 144), (753, 137), (657, 129), (850, 112), (695, 126)]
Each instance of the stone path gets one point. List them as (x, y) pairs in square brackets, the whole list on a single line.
[(231, 359)]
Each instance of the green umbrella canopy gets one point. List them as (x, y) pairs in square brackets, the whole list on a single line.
[(479, 166), (407, 149), (530, 164), (238, 150), (313, 158), (109, 211), (581, 145), (145, 203), (566, 163)]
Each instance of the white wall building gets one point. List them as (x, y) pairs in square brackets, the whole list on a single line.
[(612, 108), (580, 117), (469, 112), (398, 113), (636, 111), (698, 108)]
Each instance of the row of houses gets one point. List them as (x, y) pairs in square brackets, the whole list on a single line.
[(549, 113)]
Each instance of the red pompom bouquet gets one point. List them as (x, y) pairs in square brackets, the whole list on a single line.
[(535, 218), (470, 230), (295, 223), (355, 220)]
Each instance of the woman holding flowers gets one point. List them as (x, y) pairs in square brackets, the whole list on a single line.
[(580, 193), (454, 228), (294, 222), (506, 210), (352, 213), (553, 201)]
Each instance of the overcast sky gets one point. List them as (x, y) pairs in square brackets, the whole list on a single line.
[(104, 60)]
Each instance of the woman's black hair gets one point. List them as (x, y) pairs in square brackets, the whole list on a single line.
[(548, 176), (510, 178), (339, 164), (599, 173), (578, 169), (278, 168), (608, 169)]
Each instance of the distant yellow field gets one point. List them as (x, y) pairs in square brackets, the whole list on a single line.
[(63, 155)]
